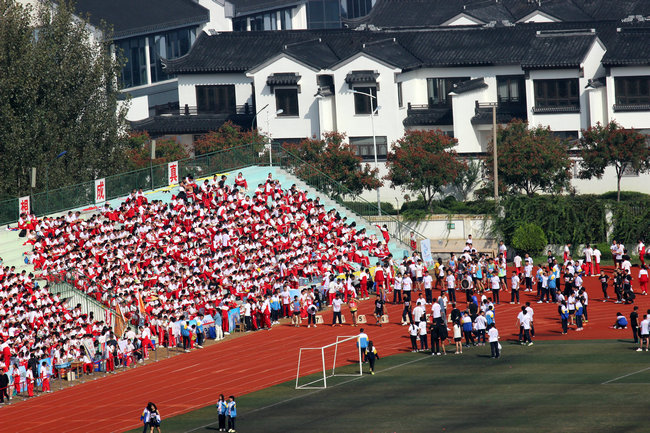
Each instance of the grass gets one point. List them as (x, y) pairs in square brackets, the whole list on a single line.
[(551, 386)]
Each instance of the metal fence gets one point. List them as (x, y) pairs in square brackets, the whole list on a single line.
[(76, 297), (120, 185)]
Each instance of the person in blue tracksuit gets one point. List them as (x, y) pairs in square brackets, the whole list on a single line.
[(222, 408), (231, 412)]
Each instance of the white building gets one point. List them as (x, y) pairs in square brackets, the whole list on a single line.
[(305, 83)]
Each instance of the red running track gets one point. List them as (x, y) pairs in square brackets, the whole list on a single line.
[(256, 361)]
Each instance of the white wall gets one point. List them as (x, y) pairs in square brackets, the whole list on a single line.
[(218, 20), (388, 120), (138, 108), (640, 183), (299, 17), (188, 82), (301, 126)]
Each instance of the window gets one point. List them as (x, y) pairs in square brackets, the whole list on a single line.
[(364, 147), (511, 89), (400, 99), (632, 90), (134, 72), (216, 99), (557, 94), (356, 8), (323, 14), (438, 89), (264, 21), (364, 104), (287, 101)]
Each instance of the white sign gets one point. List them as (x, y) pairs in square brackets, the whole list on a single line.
[(100, 191), (23, 205), (172, 173), (425, 247)]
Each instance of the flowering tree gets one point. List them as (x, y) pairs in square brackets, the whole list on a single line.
[(167, 150), (530, 159), (335, 158), (624, 149), (228, 135), (424, 162)]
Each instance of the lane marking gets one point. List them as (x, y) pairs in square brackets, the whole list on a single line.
[(625, 375)]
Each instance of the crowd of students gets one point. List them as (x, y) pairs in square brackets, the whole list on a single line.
[(213, 248)]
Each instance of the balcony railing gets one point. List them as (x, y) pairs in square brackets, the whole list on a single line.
[(173, 109)]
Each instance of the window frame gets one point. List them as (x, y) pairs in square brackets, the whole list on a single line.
[(280, 103), (548, 94), (627, 90), (363, 104), (369, 153), (443, 86), (209, 99)]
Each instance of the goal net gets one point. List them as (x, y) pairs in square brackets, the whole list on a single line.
[(335, 359)]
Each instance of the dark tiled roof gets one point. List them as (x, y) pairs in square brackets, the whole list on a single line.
[(483, 116), (425, 13), (631, 47), (559, 45), (198, 124), (558, 50), (361, 77), (469, 85), (390, 51), (246, 7), (137, 17), (429, 116), (283, 79)]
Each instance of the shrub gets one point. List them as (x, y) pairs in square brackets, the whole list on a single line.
[(605, 252), (529, 238)]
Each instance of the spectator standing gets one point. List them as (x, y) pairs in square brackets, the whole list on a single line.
[(362, 343), (231, 413), (634, 323), (222, 408), (371, 355), (414, 331), (4, 386), (645, 333), (336, 310), (564, 316), (493, 337)]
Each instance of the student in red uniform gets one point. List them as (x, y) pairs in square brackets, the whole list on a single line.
[(45, 377), (29, 377)]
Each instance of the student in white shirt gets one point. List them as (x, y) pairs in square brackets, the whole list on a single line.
[(427, 281), (336, 309), (596, 261), (524, 320), (493, 337), (414, 331), (645, 333)]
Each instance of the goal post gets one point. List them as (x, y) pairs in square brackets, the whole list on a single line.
[(321, 353)]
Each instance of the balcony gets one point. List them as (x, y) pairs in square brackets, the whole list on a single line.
[(173, 109), (622, 108), (506, 112), (421, 115)]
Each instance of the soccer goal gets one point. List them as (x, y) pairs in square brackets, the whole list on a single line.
[(326, 357)]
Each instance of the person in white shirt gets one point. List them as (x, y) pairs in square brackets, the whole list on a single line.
[(517, 262), (414, 331), (427, 281), (336, 309), (524, 320), (480, 324), (451, 285), (493, 337), (645, 333), (514, 281), (596, 262), (588, 252), (407, 286)]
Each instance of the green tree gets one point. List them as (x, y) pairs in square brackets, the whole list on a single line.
[(335, 158), (57, 92), (229, 135), (529, 159), (424, 162), (612, 145)]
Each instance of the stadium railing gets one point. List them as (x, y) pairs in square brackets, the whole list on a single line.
[(153, 177)]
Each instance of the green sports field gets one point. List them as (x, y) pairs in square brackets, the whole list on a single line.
[(568, 386)]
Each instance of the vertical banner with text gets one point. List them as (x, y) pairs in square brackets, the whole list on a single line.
[(24, 205), (172, 173), (100, 191), (425, 246)]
